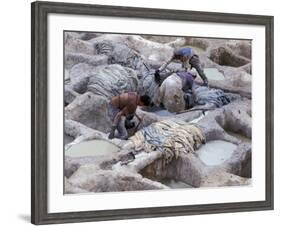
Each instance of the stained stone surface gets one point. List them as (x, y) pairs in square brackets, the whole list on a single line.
[(99, 66)]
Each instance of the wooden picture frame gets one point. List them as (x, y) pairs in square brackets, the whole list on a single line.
[(39, 109)]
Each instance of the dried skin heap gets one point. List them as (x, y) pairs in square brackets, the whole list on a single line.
[(170, 137)]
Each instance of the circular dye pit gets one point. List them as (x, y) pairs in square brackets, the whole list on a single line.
[(213, 74), (92, 148), (215, 152)]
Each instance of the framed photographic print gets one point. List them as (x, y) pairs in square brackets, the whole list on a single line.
[(140, 112)]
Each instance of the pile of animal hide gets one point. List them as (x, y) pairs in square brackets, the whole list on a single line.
[(170, 137), (112, 80), (204, 95), (120, 53)]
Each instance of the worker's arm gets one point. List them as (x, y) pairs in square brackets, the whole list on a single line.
[(157, 76), (195, 62), (163, 66)]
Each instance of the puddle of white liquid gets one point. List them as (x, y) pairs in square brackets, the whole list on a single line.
[(215, 152), (92, 148), (175, 184), (213, 74)]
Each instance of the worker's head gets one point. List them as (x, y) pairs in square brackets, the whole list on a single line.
[(184, 59), (183, 54), (144, 100)]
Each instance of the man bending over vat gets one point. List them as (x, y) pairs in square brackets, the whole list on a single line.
[(121, 109)]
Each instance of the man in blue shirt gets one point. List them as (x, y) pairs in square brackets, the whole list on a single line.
[(187, 79), (185, 55)]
